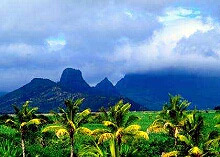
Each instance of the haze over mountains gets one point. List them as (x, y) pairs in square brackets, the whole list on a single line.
[(145, 91), (151, 89)]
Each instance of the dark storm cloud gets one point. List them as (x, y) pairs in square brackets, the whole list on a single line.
[(39, 38)]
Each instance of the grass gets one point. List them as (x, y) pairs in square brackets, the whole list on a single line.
[(147, 118), (10, 138)]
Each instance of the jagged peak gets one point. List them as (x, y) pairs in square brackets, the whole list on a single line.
[(105, 82)]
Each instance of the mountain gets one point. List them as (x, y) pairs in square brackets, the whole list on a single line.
[(49, 95), (39, 91), (151, 89), (106, 88), (144, 91), (72, 80), (2, 93)]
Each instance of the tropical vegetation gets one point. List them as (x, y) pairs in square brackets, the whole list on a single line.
[(114, 132)]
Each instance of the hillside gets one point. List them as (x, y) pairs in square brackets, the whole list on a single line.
[(49, 95), (2, 93), (145, 91), (151, 89)]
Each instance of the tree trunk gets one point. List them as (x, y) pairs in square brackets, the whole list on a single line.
[(113, 148), (72, 146), (22, 144), (118, 146)]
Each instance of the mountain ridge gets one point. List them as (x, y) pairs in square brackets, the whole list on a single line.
[(105, 87), (151, 89), (49, 95), (145, 91)]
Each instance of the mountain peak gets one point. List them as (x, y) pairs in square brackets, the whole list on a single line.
[(106, 87), (70, 72), (105, 81), (40, 82), (72, 80), (36, 80)]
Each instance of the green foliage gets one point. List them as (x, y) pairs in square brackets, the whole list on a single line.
[(9, 148), (172, 117), (113, 132), (119, 126), (24, 120), (69, 121)]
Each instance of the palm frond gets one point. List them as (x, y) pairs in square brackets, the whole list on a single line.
[(93, 150), (195, 151), (132, 128), (32, 111), (110, 124), (35, 121), (185, 139), (78, 102), (61, 132), (213, 142), (125, 108), (12, 123), (52, 128), (156, 129), (80, 117), (168, 124), (104, 114), (104, 137), (217, 126), (170, 154), (131, 119), (142, 134), (99, 131), (85, 131), (26, 104), (85, 113)]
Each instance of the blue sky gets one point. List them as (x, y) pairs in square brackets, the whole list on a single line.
[(106, 38)]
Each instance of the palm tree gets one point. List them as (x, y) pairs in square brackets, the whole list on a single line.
[(172, 117), (24, 117), (191, 135), (195, 141), (212, 144), (118, 123), (70, 121), (92, 149)]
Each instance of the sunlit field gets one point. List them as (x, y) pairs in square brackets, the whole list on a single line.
[(50, 137)]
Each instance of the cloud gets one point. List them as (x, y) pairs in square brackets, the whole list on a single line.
[(170, 46), (110, 38), (80, 35)]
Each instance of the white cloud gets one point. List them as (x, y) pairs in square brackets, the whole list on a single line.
[(160, 50)]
